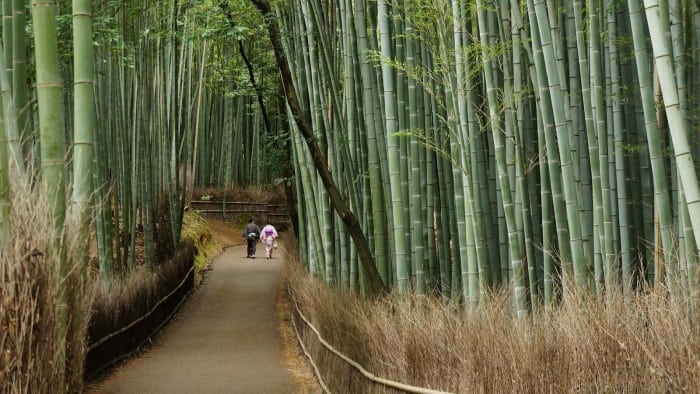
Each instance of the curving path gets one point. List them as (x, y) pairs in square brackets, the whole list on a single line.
[(224, 340)]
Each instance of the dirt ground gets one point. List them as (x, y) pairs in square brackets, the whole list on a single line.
[(226, 234), (230, 336)]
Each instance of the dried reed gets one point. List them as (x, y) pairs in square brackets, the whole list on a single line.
[(31, 352), (644, 344)]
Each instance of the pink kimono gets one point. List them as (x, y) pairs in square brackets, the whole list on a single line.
[(268, 236)]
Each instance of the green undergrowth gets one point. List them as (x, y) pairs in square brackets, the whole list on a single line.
[(196, 229)]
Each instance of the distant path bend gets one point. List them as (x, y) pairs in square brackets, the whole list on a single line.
[(224, 340)]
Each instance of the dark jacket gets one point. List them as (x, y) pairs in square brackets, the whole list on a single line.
[(250, 229)]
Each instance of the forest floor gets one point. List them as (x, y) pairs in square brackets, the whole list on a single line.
[(232, 336)]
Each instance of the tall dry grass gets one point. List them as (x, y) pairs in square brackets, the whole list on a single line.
[(30, 347), (643, 345), (124, 298)]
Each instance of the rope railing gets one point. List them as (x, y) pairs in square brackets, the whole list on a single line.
[(142, 317), (370, 376), (137, 349), (311, 359)]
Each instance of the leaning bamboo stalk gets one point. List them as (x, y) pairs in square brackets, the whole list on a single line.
[(320, 162), (679, 137)]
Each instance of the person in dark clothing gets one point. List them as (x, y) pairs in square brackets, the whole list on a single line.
[(251, 234)]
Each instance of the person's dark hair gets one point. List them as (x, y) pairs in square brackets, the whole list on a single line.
[(250, 220)]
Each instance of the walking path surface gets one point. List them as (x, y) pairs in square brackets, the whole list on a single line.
[(224, 340)]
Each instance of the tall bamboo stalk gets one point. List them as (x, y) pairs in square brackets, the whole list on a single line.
[(84, 112), (51, 134)]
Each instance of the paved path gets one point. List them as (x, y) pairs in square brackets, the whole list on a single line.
[(224, 340)]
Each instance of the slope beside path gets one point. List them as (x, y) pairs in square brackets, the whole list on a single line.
[(225, 339)]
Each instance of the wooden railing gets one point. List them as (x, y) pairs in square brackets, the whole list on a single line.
[(275, 214)]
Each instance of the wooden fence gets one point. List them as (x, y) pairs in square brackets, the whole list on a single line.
[(275, 214)]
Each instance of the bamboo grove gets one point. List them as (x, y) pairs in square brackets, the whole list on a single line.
[(113, 112), (127, 107), (547, 146), (183, 104)]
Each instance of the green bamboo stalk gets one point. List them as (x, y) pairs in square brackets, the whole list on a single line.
[(5, 220), (477, 273), (599, 119), (562, 128), (7, 36), (514, 126), (19, 73), (418, 238), (656, 151), (399, 232), (84, 113), (539, 79), (619, 163), (11, 130), (463, 236), (315, 253), (684, 159), (370, 120), (51, 134), (519, 287), (593, 154)]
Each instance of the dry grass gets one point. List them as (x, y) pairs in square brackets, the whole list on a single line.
[(226, 233), (646, 344), (30, 347), (294, 359), (267, 194), (121, 299)]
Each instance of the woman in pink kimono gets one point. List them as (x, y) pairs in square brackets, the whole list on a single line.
[(268, 236)]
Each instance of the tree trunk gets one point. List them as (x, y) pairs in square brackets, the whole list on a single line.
[(318, 157)]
